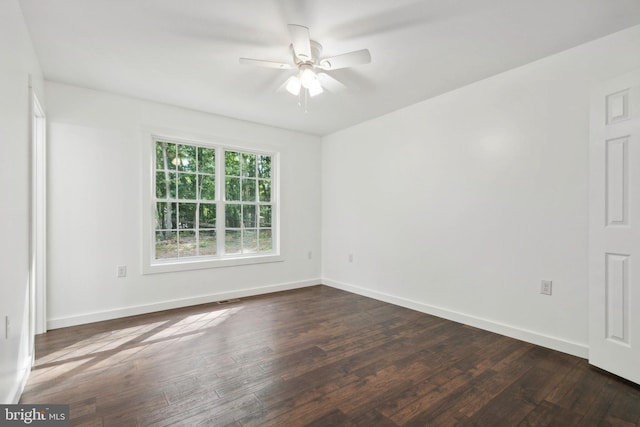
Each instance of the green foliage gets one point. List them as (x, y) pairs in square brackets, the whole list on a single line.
[(264, 167), (249, 216), (232, 163), (207, 187), (165, 153), (233, 215), (186, 215), (186, 211), (166, 216), (264, 190), (207, 215), (248, 165), (232, 189), (161, 185), (249, 190), (187, 184), (187, 158), (265, 216), (206, 160), (159, 155)]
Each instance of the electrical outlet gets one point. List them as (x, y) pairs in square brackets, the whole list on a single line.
[(122, 271), (545, 287), (350, 257)]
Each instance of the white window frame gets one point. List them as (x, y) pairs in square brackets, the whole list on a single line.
[(150, 265)]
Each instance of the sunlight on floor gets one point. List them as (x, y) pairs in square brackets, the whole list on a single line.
[(106, 349)]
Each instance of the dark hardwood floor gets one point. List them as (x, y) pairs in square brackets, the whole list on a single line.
[(319, 357)]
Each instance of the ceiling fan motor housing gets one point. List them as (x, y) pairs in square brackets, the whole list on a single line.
[(316, 51)]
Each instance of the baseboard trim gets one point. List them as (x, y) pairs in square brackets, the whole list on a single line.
[(13, 397), (554, 343), (62, 322)]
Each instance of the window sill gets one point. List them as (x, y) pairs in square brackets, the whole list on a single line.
[(170, 266)]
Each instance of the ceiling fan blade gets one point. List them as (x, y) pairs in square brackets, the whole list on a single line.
[(330, 83), (301, 42), (357, 57), (266, 64)]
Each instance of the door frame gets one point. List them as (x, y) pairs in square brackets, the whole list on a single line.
[(38, 220)]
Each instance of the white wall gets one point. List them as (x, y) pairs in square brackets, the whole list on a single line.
[(17, 63), (95, 208), (461, 204)]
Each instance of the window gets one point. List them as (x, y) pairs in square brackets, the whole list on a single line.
[(211, 203), (185, 208), (248, 207)]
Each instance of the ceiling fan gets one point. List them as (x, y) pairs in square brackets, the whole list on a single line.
[(310, 65)]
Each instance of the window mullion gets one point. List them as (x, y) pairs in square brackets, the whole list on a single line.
[(220, 201)]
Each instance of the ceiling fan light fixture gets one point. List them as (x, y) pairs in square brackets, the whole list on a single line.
[(315, 88), (308, 77), (293, 85), (310, 66)]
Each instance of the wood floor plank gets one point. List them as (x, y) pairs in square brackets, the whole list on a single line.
[(625, 404), (548, 414), (318, 357)]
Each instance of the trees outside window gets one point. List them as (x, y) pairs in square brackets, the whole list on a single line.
[(248, 204), (212, 202)]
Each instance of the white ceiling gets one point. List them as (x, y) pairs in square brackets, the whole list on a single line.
[(186, 53)]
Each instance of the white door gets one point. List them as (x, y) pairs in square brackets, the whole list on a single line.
[(614, 227)]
